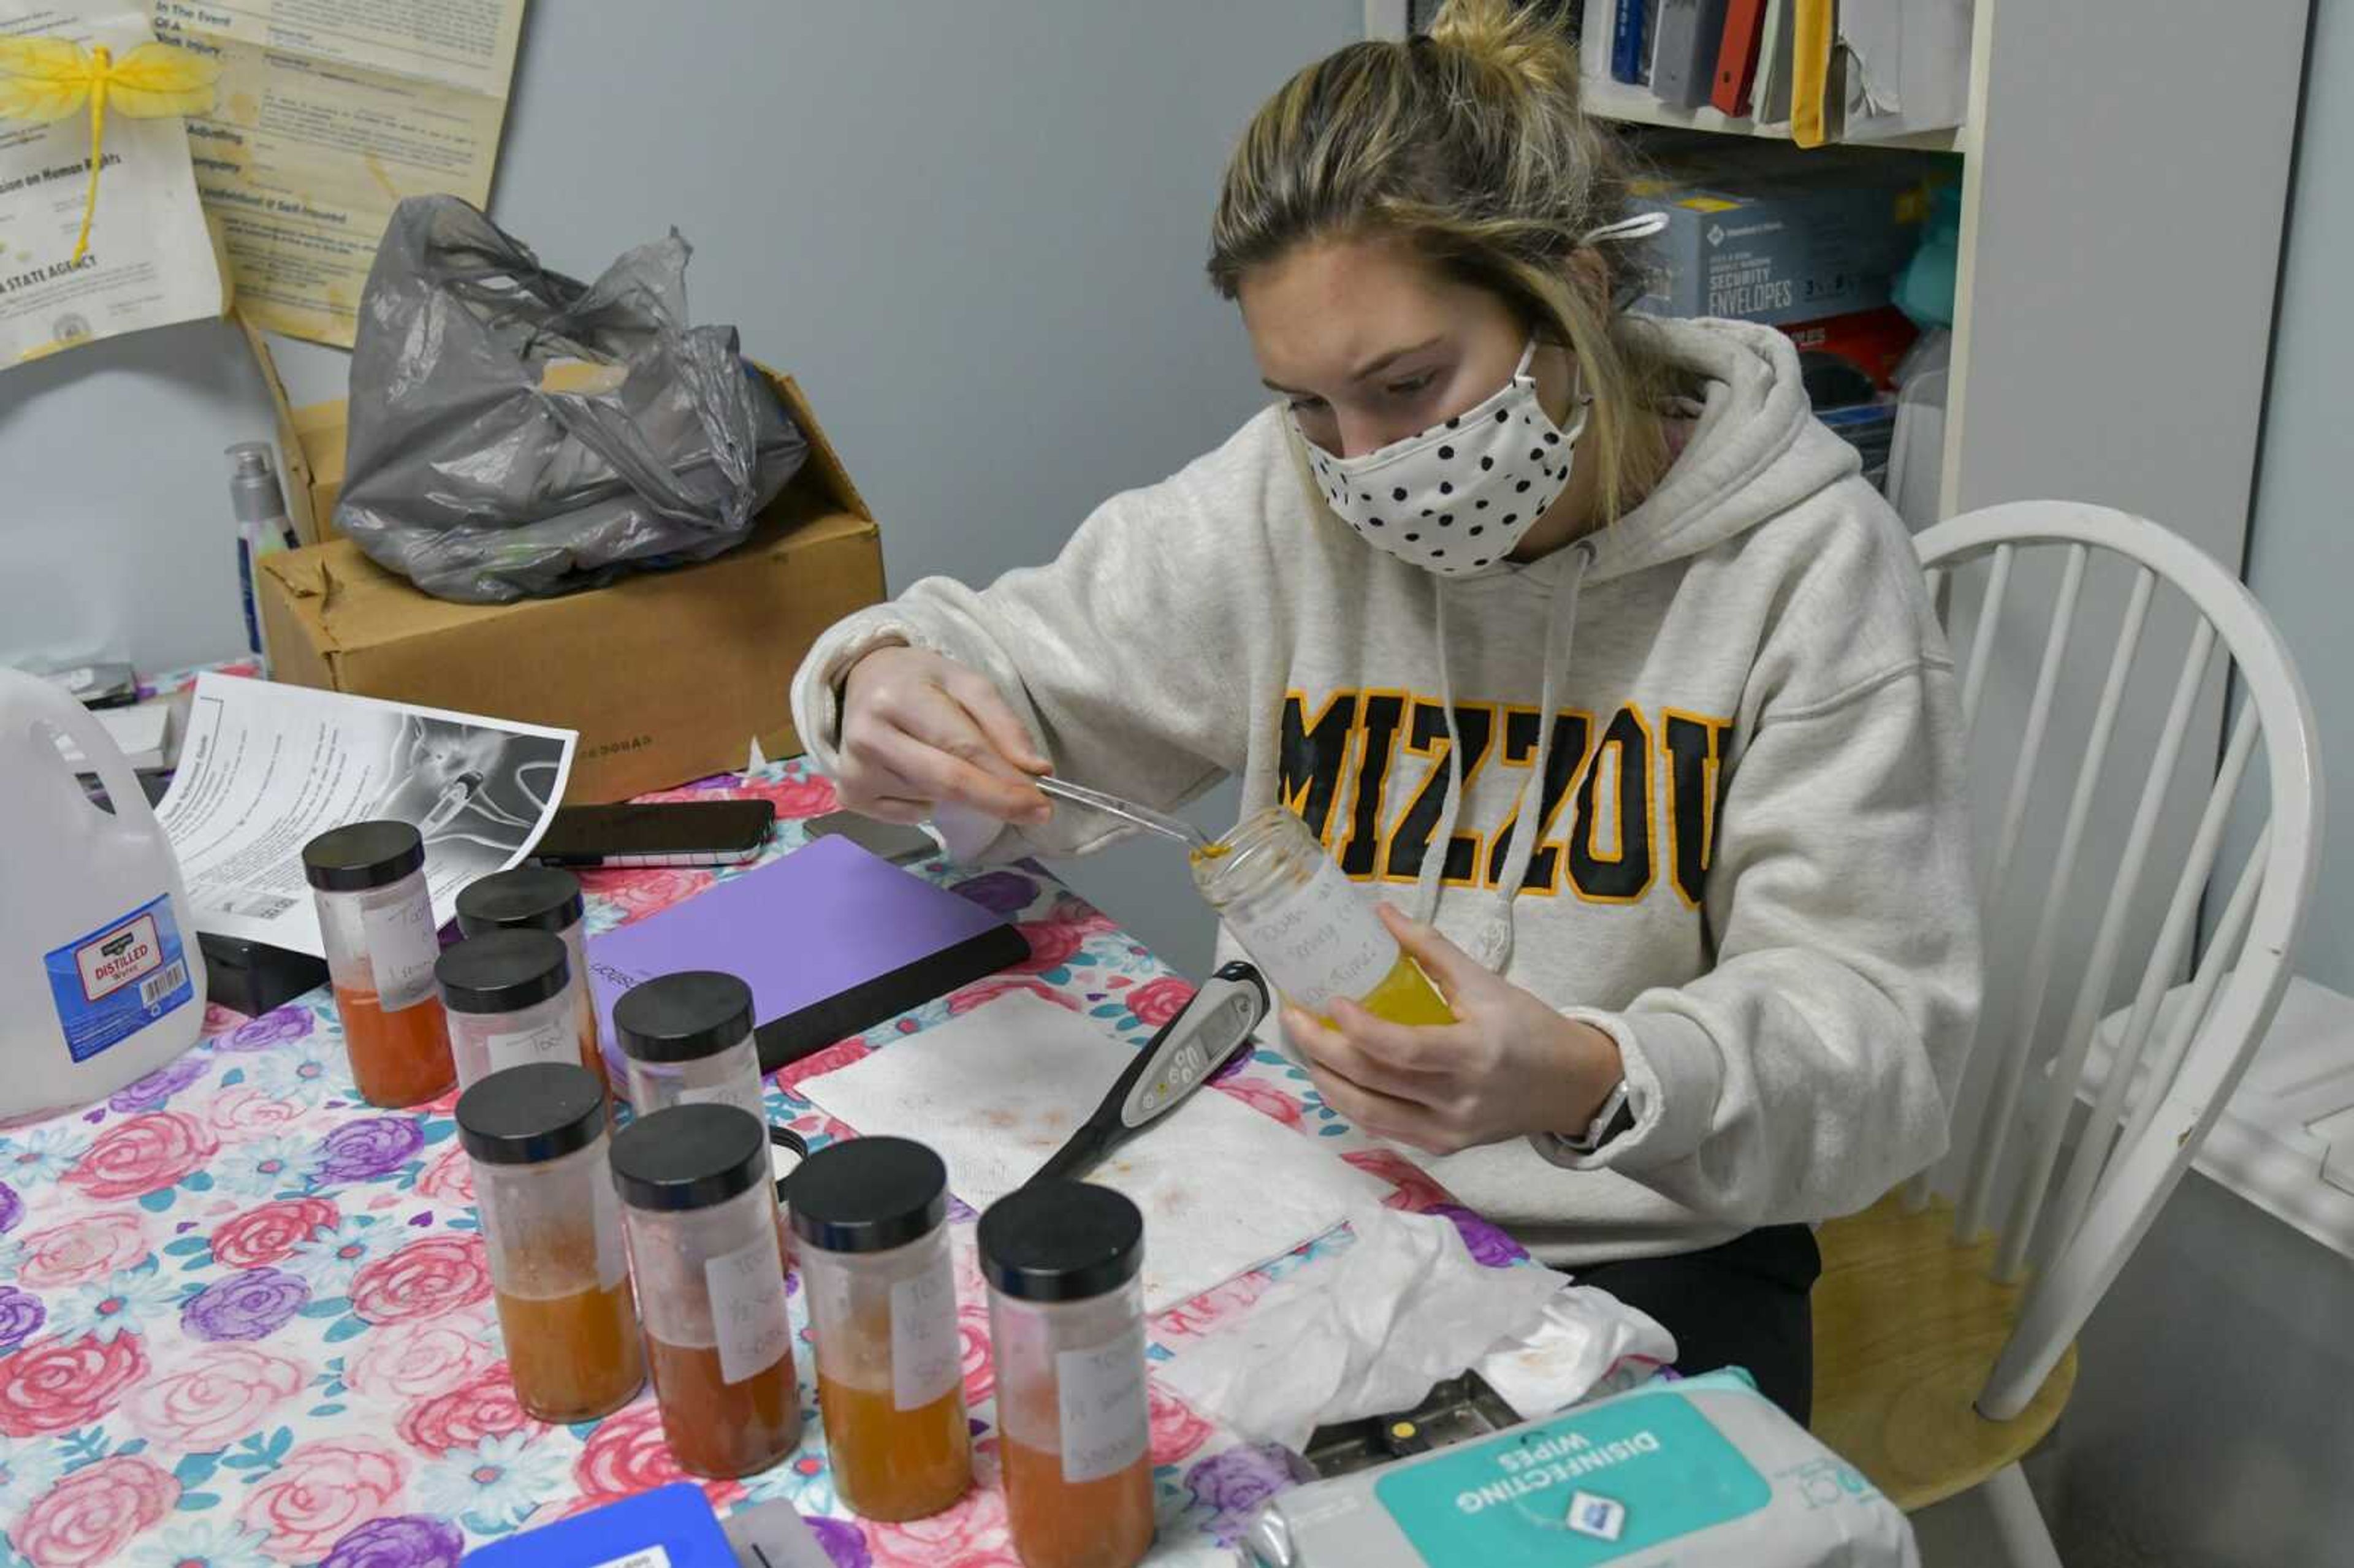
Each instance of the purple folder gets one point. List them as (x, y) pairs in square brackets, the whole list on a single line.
[(832, 940)]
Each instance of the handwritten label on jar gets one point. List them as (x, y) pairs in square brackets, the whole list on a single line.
[(552, 1041), (1322, 943), (747, 1307), (744, 1097), (1100, 1396), (401, 948), (927, 1352), (612, 1258)]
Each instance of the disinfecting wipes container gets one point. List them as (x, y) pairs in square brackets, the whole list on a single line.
[(1699, 1472)]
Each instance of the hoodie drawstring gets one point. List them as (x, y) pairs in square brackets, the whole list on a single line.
[(1492, 947)]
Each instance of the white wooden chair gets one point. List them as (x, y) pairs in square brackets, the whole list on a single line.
[(1945, 1354)]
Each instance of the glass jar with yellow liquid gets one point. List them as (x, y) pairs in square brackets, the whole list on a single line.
[(1316, 937)]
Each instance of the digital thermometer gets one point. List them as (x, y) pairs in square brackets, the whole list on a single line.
[(1179, 1060)]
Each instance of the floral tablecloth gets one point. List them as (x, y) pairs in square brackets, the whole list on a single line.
[(245, 1319)]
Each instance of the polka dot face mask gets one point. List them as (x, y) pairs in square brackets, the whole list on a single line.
[(1456, 499)]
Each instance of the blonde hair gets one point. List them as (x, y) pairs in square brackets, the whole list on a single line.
[(1469, 144)]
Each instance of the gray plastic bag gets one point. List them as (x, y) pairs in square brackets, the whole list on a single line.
[(472, 471)]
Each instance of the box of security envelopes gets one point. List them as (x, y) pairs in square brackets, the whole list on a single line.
[(1779, 246)]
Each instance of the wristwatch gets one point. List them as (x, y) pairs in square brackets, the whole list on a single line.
[(1615, 1117)]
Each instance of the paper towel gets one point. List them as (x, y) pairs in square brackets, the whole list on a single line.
[(1371, 1328), (996, 1092)]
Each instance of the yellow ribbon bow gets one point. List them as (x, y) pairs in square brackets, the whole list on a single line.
[(45, 79)]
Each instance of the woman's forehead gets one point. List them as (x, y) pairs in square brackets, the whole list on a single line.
[(1325, 309)]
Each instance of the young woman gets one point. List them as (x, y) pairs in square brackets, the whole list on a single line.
[(1574, 632)]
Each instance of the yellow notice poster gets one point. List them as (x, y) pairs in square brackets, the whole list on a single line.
[(150, 262), (330, 112)]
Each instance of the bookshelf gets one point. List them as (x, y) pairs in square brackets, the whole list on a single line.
[(1632, 104)]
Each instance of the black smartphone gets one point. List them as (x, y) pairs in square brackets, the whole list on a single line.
[(662, 832), (886, 841)]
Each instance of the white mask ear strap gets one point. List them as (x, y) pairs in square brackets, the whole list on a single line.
[(1642, 226)]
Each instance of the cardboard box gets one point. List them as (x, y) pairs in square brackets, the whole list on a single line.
[(668, 676), (1780, 247)]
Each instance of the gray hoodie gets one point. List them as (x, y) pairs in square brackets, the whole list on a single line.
[(1750, 865)]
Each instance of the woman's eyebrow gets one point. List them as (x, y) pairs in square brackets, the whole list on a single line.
[(1373, 366)]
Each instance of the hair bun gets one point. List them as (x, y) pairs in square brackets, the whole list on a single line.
[(1513, 37)]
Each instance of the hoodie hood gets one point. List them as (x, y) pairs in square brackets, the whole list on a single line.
[(1754, 451)]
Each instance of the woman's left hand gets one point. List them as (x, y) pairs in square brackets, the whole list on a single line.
[(1508, 1066)]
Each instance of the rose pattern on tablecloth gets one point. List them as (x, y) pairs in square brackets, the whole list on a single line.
[(1264, 1099), (982, 993), (448, 1178), (400, 1541), (423, 1279), (91, 1515), (75, 1251), (361, 1151), (249, 1316), (1052, 944), (55, 1384), (143, 1155), (625, 1454), (210, 1400), (1177, 1432), (842, 1540), (404, 1363), (975, 1533), (21, 1316), (293, 1022), (269, 1233), (156, 1089), (251, 1304), (1231, 1485), (1005, 893), (485, 1405), (321, 1491), (1155, 1003)]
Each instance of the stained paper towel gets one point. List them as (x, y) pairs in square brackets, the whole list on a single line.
[(1222, 1188), (1370, 1329)]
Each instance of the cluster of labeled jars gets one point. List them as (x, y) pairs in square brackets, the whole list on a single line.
[(680, 1204), (689, 1188), (417, 1018)]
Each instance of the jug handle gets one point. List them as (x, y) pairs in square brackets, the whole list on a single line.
[(98, 748)]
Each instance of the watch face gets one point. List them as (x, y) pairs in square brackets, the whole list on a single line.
[(1616, 1116)]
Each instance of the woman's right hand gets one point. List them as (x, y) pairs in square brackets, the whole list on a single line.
[(918, 729)]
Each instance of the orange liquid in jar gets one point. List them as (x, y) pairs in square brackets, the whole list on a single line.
[(397, 1058), (573, 1358), (718, 1428), (891, 1463), (594, 1060), (1102, 1523)]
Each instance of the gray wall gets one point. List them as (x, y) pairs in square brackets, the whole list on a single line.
[(2210, 1424), (2301, 543), (975, 232)]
